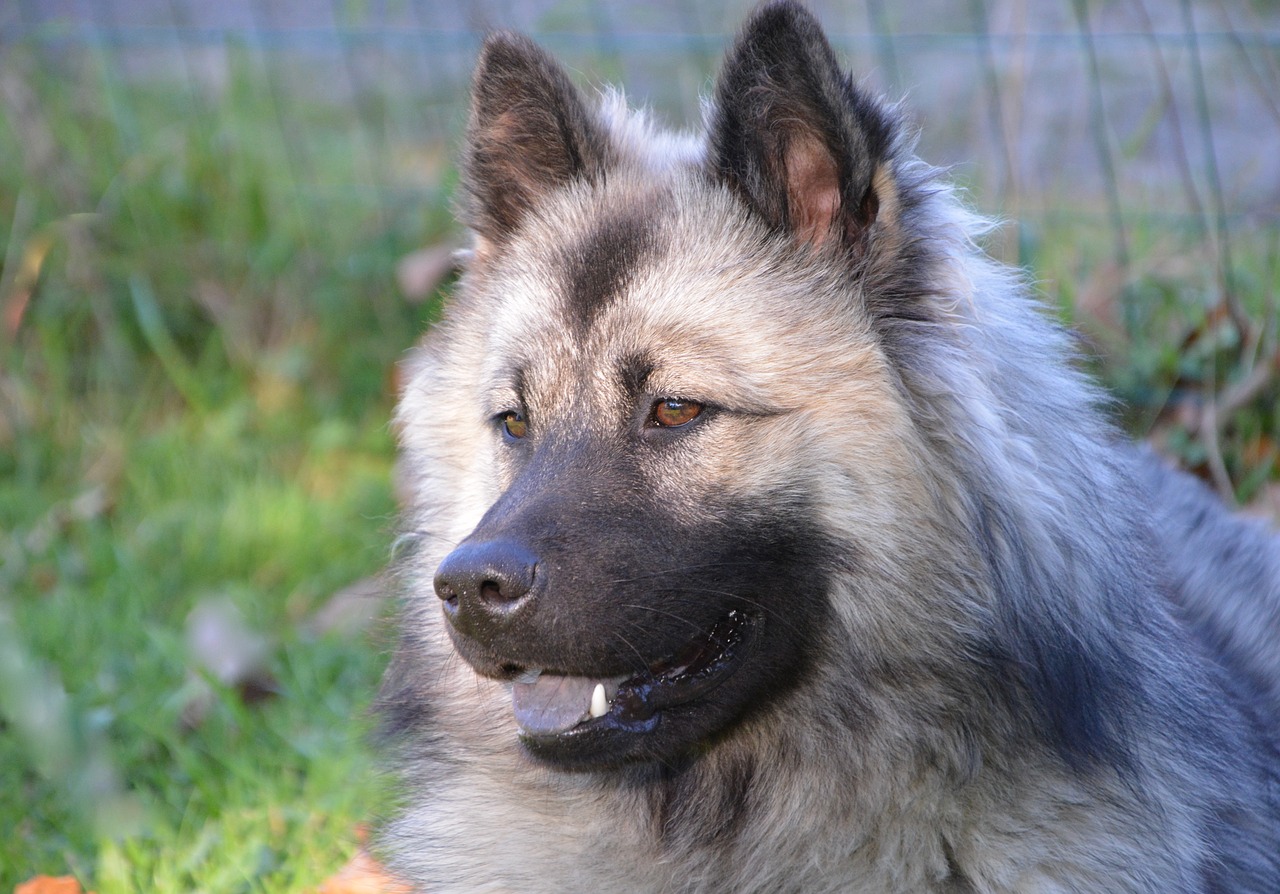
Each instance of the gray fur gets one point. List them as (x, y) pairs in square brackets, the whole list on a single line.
[(1007, 651)]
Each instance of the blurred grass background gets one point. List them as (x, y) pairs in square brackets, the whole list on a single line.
[(203, 208)]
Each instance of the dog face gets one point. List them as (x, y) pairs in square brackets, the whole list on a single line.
[(633, 546)]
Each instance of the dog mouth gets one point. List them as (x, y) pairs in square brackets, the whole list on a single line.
[(552, 707)]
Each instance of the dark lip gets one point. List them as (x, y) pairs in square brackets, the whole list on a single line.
[(676, 683), (698, 668)]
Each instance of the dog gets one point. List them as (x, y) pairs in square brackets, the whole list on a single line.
[(763, 536)]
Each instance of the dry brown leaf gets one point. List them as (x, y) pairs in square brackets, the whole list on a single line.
[(221, 644), (1266, 503), (421, 273), (22, 286), (1098, 301), (362, 875), (50, 884), (351, 610)]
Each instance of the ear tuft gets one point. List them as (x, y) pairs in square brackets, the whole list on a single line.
[(530, 132), (792, 136)]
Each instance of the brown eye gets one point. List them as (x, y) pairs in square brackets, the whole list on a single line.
[(670, 413), (514, 424)]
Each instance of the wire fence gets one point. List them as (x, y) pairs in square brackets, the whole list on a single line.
[(1165, 107)]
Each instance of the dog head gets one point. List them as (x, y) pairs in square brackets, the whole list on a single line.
[(628, 412)]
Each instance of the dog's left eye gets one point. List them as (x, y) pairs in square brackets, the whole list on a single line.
[(514, 425), (672, 413)]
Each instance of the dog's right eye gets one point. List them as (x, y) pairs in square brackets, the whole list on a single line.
[(672, 413), (514, 425)]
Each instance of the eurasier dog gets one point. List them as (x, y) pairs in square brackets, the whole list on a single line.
[(766, 539)]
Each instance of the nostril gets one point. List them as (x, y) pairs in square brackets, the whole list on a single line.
[(496, 593), (448, 595)]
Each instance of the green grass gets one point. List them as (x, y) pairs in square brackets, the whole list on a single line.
[(273, 508), (1163, 340), (195, 408)]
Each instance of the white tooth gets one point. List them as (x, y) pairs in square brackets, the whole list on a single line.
[(599, 704)]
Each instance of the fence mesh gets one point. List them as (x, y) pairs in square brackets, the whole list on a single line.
[(1138, 109)]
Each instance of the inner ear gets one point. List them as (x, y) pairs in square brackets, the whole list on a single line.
[(813, 189)]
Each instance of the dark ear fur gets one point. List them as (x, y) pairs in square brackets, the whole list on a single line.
[(529, 133), (792, 136)]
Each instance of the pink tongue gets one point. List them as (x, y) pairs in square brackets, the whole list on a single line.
[(552, 704)]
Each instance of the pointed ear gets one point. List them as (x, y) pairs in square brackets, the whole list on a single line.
[(529, 133), (793, 137)]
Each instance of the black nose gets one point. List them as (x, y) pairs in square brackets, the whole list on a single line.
[(482, 584)]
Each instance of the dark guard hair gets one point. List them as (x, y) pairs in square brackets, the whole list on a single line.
[(529, 134), (793, 137)]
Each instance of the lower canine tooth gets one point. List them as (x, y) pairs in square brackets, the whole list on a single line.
[(599, 704)]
